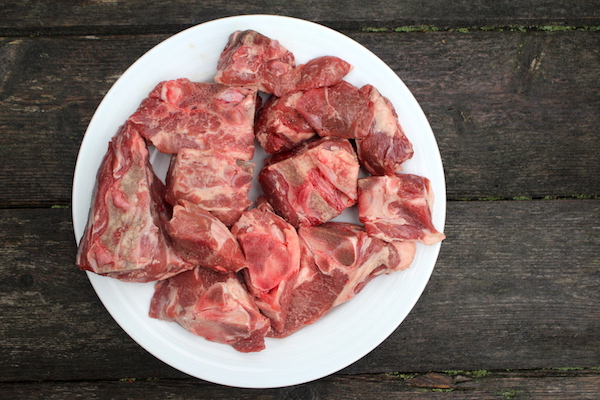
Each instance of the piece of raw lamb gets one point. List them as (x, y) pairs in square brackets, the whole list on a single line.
[(279, 127), (206, 240), (181, 113), (337, 260), (336, 110), (313, 182), (254, 60), (125, 237), (319, 72), (272, 250), (398, 208), (214, 181), (213, 305), (385, 148)]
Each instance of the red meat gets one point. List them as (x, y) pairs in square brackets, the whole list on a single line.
[(337, 261), (397, 208), (318, 72), (335, 110), (386, 147), (312, 183), (252, 59), (272, 250), (125, 237), (213, 305), (206, 239), (279, 126), (214, 181), (181, 113)]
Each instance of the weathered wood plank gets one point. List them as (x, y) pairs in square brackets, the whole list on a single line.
[(516, 286), (511, 117), (511, 112), (480, 385), (94, 17)]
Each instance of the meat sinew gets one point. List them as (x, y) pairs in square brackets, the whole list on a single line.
[(279, 126), (272, 250), (385, 147), (252, 59), (312, 183), (398, 208), (214, 181), (180, 113), (337, 261), (207, 240), (125, 236), (213, 305)]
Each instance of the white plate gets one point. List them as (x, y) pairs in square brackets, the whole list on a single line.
[(351, 330)]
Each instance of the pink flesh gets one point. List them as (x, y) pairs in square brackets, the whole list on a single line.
[(279, 127), (312, 183), (398, 208), (213, 305), (181, 113), (206, 239), (272, 250), (214, 181), (125, 237), (386, 147), (337, 261)]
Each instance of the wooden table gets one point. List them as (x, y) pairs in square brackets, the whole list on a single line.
[(512, 91)]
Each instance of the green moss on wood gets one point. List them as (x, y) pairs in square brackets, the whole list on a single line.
[(491, 28)]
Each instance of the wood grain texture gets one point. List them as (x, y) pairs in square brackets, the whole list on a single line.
[(513, 113), (580, 384), (516, 283), (109, 16)]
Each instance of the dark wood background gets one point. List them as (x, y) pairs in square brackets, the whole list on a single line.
[(512, 92)]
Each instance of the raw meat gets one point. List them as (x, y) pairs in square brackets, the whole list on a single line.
[(206, 239), (213, 305), (335, 110), (312, 183), (125, 237), (318, 72), (180, 113), (386, 147), (272, 250), (337, 261), (252, 59), (398, 208), (279, 126), (214, 181)]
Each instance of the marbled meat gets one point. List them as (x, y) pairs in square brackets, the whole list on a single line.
[(207, 241), (398, 208), (313, 182), (212, 180), (272, 249), (335, 110), (337, 260), (213, 305), (385, 148), (254, 60), (279, 127), (125, 236), (180, 113)]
